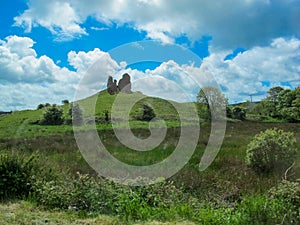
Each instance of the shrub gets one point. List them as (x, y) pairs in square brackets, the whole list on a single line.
[(239, 113), (287, 190), (271, 150), (65, 102), (52, 116), (263, 210), (148, 113), (40, 106), (77, 115), (16, 175), (93, 196), (228, 112)]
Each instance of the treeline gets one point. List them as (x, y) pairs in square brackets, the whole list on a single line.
[(281, 103), (54, 115)]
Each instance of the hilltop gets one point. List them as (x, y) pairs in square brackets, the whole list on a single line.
[(21, 123)]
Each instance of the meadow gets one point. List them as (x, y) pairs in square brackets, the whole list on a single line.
[(66, 190)]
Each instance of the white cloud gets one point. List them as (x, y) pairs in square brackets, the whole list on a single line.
[(251, 72), (247, 72), (232, 23), (19, 63), (27, 80), (95, 66), (57, 16)]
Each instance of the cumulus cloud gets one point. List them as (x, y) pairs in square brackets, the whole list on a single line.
[(231, 23), (19, 63), (27, 80), (95, 67), (249, 72), (252, 72), (57, 16)]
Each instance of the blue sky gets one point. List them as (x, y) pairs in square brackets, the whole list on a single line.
[(47, 47)]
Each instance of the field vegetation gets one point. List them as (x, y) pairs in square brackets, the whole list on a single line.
[(45, 180)]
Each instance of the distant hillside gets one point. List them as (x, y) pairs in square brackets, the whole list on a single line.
[(4, 113), (19, 123), (163, 108)]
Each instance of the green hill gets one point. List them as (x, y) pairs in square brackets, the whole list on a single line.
[(21, 123)]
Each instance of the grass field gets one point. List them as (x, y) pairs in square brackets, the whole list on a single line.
[(224, 183)]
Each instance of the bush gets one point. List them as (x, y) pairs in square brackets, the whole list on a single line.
[(271, 150), (263, 210), (52, 116), (93, 196), (77, 115), (148, 113), (40, 106), (239, 113), (16, 174), (287, 190)]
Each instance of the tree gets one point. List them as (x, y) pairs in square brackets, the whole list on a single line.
[(271, 150), (106, 116), (271, 101), (40, 106), (273, 94), (239, 113), (289, 105), (148, 113), (76, 114), (52, 116), (214, 101), (65, 102)]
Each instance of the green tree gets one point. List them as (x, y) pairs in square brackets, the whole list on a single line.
[(273, 94), (289, 105), (148, 113), (76, 114), (213, 100), (239, 113), (40, 106), (52, 116), (65, 102), (271, 150), (271, 102)]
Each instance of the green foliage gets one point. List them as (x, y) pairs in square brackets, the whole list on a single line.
[(270, 104), (260, 209), (287, 190), (289, 105), (239, 113), (101, 196), (273, 93), (40, 106), (228, 112), (65, 102), (52, 116), (281, 103), (271, 150), (147, 113), (16, 174), (213, 99), (76, 114), (291, 114), (161, 201)]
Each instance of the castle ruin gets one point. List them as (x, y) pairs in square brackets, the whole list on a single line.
[(124, 85)]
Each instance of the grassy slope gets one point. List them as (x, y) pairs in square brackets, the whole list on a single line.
[(26, 213), (18, 125)]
